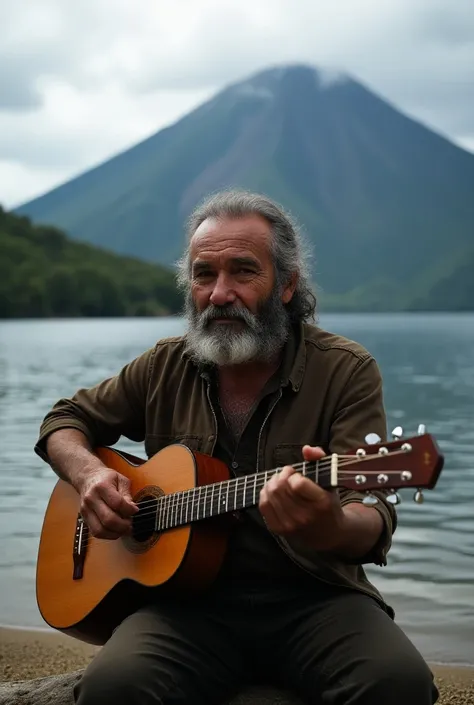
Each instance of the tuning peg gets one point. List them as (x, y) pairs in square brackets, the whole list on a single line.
[(394, 498), (372, 438), (397, 433), (421, 429), (370, 500), (418, 497)]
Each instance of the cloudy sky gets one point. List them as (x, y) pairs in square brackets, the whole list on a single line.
[(80, 81)]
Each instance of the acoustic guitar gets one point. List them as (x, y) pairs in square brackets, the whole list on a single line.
[(85, 586)]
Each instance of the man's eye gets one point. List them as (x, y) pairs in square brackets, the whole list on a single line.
[(203, 274)]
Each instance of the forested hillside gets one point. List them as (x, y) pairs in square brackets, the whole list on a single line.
[(45, 274)]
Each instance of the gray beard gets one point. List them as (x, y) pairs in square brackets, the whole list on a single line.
[(260, 340)]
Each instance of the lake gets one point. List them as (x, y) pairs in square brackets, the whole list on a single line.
[(427, 362)]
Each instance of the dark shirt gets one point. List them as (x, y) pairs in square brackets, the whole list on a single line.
[(255, 562)]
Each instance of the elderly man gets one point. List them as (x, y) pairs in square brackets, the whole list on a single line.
[(254, 383)]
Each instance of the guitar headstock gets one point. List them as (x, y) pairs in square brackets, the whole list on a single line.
[(411, 462)]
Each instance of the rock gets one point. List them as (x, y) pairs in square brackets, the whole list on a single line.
[(57, 690), (52, 690)]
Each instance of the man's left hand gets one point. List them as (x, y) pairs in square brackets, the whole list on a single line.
[(294, 506)]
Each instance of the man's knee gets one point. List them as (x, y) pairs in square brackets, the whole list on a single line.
[(128, 680), (380, 678), (404, 679)]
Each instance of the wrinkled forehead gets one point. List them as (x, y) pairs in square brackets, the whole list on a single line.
[(235, 237)]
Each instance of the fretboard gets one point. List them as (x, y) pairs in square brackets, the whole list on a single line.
[(206, 501)]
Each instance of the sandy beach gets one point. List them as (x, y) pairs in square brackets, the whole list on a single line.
[(26, 654)]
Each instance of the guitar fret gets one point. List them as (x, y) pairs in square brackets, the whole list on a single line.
[(180, 508), (192, 497), (173, 509), (198, 500), (212, 500), (176, 508)]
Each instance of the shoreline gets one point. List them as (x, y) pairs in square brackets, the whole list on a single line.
[(28, 653), (49, 635)]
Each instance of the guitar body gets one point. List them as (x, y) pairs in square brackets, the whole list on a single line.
[(114, 577)]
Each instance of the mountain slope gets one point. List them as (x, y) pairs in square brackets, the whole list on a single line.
[(378, 195)]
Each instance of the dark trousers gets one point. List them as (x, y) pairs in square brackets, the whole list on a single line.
[(337, 648)]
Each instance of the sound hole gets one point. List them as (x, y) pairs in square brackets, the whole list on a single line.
[(143, 523)]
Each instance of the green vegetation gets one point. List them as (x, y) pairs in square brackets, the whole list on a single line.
[(450, 288), (386, 204), (44, 274), (446, 286)]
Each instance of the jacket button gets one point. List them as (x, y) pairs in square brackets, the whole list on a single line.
[(211, 438)]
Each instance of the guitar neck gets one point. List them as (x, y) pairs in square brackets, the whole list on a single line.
[(415, 462), (207, 501)]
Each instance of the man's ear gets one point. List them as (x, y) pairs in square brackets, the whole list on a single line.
[(289, 288)]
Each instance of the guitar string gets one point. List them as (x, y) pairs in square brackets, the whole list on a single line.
[(320, 471), (242, 492), (320, 468), (323, 463), (239, 494)]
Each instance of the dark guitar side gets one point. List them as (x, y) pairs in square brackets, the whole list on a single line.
[(91, 611)]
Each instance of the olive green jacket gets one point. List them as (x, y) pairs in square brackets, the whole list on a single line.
[(332, 397)]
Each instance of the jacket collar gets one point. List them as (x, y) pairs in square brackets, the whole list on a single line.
[(293, 362)]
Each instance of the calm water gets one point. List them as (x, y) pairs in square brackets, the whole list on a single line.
[(428, 366)]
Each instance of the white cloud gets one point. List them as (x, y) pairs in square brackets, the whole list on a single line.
[(27, 180), (88, 79)]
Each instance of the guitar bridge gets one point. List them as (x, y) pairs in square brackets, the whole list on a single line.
[(80, 547)]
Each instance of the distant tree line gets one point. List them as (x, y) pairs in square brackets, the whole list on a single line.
[(452, 292), (45, 274), (446, 286)]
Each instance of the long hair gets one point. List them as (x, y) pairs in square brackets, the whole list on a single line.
[(288, 251)]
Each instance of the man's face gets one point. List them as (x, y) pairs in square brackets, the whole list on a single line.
[(235, 308)]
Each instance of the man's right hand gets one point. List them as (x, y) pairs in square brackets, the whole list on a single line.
[(106, 503)]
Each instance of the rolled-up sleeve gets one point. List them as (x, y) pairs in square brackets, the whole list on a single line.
[(113, 408), (360, 411)]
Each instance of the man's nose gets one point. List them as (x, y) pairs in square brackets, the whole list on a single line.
[(222, 292)]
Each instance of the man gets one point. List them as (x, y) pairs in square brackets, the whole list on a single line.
[(255, 384)]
